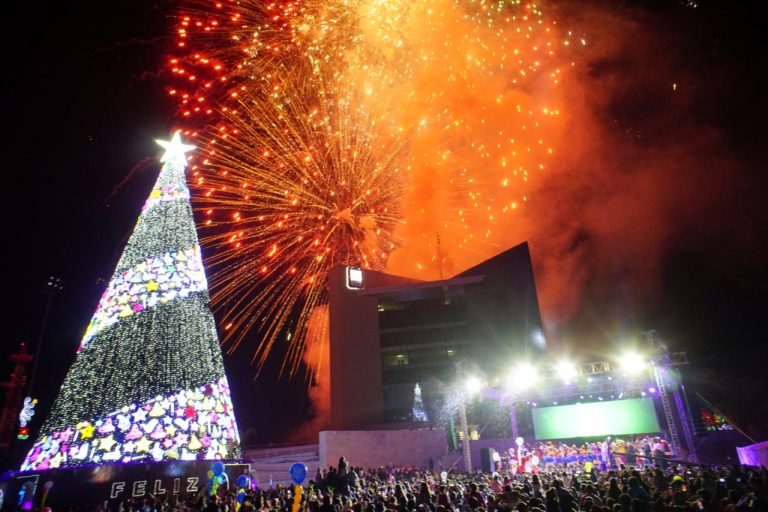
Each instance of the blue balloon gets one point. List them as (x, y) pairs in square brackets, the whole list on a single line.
[(241, 496), (218, 468), (243, 481), (298, 472)]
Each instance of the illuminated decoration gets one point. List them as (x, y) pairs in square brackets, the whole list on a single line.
[(148, 382), (171, 192), (175, 151), (23, 433), (188, 425), (419, 411), (714, 421), (27, 411), (354, 278), (25, 416), (156, 280)]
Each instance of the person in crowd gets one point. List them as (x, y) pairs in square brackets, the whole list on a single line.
[(613, 491)]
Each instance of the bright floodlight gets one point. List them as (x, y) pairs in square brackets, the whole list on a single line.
[(566, 371), (632, 363), (527, 372), (523, 376), (473, 385)]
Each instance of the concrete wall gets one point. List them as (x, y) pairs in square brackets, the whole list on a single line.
[(374, 448)]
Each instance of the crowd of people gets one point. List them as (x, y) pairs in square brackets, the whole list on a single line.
[(552, 455), (622, 488)]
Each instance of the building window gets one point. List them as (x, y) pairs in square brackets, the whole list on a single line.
[(390, 359)]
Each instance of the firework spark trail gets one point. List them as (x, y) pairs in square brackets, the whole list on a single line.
[(317, 188), (359, 132)]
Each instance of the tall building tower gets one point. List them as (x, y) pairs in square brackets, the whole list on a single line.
[(148, 382)]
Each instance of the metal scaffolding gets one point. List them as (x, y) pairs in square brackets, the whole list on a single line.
[(668, 382)]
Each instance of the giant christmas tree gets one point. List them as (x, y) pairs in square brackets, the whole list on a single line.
[(148, 381)]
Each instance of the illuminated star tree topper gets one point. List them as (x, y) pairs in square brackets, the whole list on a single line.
[(175, 150)]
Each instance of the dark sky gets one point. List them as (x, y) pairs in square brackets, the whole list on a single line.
[(83, 98)]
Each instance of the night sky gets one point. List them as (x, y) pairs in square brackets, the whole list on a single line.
[(84, 97)]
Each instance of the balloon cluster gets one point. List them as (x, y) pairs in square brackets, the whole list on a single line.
[(243, 482), (298, 472), (216, 477)]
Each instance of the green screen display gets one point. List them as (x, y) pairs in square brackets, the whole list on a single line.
[(617, 417)]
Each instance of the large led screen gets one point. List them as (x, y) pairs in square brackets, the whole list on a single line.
[(617, 417)]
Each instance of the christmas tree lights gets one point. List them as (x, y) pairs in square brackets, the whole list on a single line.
[(148, 381)]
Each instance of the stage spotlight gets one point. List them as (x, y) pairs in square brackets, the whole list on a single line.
[(525, 375), (521, 377), (632, 363), (473, 385), (566, 371)]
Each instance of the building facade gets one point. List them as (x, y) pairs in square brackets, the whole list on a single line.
[(388, 333)]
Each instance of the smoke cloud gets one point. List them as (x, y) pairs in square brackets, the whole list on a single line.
[(317, 356), (637, 169)]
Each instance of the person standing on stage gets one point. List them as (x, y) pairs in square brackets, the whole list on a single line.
[(605, 454), (631, 454)]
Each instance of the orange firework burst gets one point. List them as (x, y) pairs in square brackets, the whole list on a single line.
[(358, 132), (299, 186)]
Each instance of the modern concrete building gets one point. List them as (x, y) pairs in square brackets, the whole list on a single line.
[(388, 333)]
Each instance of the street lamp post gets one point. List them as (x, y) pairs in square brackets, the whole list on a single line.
[(465, 388), (52, 287), (465, 433)]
